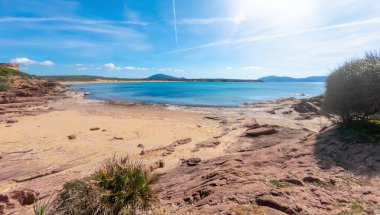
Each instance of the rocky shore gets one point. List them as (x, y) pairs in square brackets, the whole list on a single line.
[(28, 96), (276, 157)]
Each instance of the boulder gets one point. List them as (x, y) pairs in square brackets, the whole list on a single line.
[(25, 197), (72, 137), (190, 162), (10, 121), (260, 131)]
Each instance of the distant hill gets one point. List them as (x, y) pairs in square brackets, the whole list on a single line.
[(82, 78), (163, 77), (289, 79)]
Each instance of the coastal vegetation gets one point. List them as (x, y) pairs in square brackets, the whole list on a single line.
[(6, 71), (3, 84), (118, 186), (353, 90)]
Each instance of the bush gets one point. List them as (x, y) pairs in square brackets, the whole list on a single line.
[(353, 90), (3, 84), (118, 186)]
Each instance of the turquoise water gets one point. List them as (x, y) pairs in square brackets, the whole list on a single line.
[(201, 93)]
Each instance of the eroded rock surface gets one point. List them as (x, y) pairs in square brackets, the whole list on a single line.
[(281, 172)]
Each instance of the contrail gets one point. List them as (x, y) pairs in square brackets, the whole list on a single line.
[(175, 23)]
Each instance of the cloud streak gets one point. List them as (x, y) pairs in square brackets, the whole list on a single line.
[(70, 20), (215, 20), (112, 66), (375, 20), (175, 22)]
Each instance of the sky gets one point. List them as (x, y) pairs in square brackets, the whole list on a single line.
[(242, 39)]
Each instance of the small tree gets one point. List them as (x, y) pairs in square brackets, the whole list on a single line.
[(353, 90)]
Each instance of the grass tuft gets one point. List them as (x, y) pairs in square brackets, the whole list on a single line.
[(118, 186)]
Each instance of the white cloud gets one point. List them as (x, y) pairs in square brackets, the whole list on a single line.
[(82, 69), (78, 64), (47, 63), (23, 61), (110, 66), (228, 68), (135, 68), (27, 61), (252, 68)]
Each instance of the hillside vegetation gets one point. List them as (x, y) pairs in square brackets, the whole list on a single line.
[(5, 71)]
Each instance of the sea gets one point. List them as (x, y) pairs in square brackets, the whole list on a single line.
[(201, 93)]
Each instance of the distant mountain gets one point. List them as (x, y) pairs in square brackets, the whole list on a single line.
[(289, 79), (163, 77)]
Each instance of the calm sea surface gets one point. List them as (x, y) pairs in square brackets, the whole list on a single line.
[(201, 93)]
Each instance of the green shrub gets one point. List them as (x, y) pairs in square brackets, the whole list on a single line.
[(118, 186), (3, 84), (353, 90), (125, 184)]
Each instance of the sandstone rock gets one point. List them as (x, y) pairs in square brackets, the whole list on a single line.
[(156, 165), (215, 117), (252, 124), (260, 131), (278, 203), (25, 197), (271, 112), (311, 179), (191, 162), (2, 208), (211, 143), (142, 152), (118, 138), (141, 146), (72, 137), (94, 129), (9, 121), (4, 198), (11, 205), (292, 181), (181, 141)]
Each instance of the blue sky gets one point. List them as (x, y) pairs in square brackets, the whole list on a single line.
[(207, 38)]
